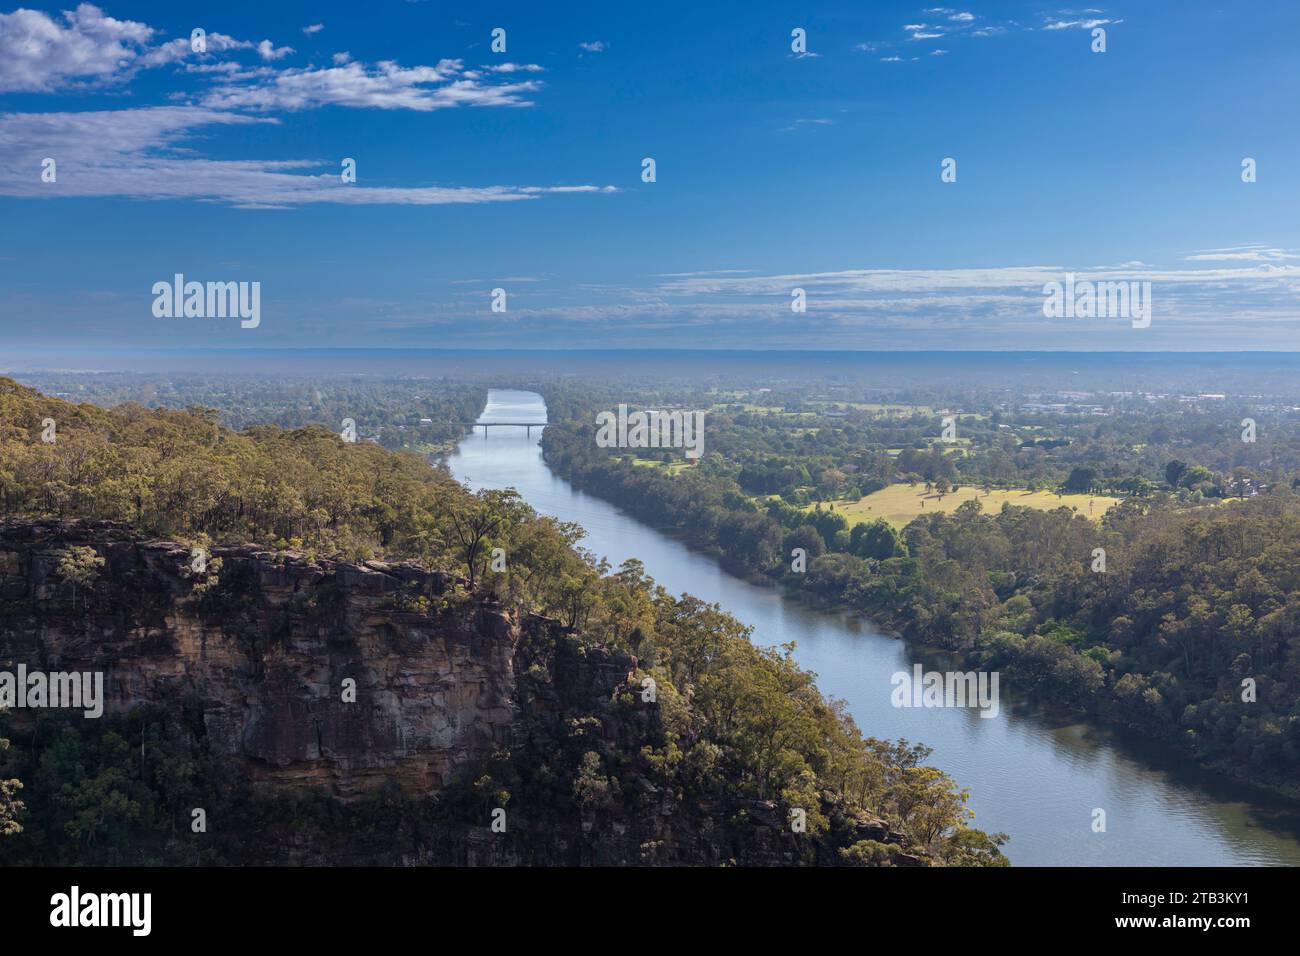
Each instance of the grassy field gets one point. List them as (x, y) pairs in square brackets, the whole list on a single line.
[(672, 467), (899, 504)]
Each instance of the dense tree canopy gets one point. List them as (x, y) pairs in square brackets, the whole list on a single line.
[(1197, 595)]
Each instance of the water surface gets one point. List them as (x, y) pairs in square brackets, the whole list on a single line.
[(1030, 777)]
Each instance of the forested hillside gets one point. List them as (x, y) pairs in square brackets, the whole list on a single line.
[(1196, 597), (399, 412), (738, 724)]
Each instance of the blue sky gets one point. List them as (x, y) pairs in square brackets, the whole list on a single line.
[(522, 170)]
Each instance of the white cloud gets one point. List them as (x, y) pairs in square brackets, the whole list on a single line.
[(594, 46), (221, 66), (148, 154), (706, 272), (514, 68), (987, 307), (386, 85), (949, 24), (996, 307), (807, 122), (1253, 253), (895, 281), (984, 294), (1080, 24), (313, 28), (39, 54), (269, 51), (174, 51)]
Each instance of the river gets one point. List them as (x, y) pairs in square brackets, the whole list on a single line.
[(1032, 777)]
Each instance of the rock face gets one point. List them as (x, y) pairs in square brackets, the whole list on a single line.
[(322, 674), (358, 681)]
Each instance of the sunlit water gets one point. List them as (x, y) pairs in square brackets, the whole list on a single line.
[(1037, 780)]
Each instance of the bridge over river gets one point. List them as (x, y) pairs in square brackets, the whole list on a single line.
[(486, 425)]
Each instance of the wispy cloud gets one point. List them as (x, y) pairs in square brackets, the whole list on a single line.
[(386, 85), (511, 68), (952, 24), (1251, 253), (1078, 24), (939, 23), (705, 272), (800, 123), (85, 47), (150, 152), (1000, 304), (147, 154), (959, 16), (997, 307), (39, 53)]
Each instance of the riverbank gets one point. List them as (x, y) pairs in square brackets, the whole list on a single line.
[(1100, 713), (1035, 776)]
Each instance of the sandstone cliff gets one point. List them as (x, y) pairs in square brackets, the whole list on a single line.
[(266, 652), (252, 667)]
